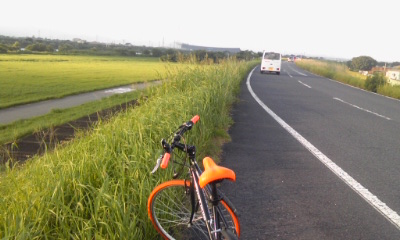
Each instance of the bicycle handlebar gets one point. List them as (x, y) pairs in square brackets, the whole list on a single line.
[(165, 160), (195, 119), (168, 148)]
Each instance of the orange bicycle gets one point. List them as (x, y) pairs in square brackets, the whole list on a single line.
[(192, 208)]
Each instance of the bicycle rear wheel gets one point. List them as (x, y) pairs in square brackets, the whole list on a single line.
[(169, 208)]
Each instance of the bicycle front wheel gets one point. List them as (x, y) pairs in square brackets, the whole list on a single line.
[(169, 208)]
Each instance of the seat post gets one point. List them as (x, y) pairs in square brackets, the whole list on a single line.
[(215, 200), (214, 194)]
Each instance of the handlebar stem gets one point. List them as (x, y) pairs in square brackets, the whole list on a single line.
[(191, 150)]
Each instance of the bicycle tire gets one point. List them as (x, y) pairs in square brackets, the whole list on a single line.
[(169, 209)]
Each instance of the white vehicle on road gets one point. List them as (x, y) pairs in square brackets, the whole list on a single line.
[(271, 62)]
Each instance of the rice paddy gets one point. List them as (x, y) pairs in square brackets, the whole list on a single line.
[(31, 78)]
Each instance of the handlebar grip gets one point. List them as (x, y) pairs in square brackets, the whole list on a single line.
[(165, 160), (195, 119)]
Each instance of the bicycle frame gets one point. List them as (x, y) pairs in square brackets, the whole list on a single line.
[(210, 192)]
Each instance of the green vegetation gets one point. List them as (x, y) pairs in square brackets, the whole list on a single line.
[(333, 70), (12, 132), (3, 48), (364, 63), (96, 187), (31, 78), (199, 55), (28, 45), (374, 82), (340, 72), (34, 45), (389, 90)]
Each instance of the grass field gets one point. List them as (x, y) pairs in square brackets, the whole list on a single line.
[(96, 187), (31, 78)]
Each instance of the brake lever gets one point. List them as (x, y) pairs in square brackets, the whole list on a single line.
[(157, 164)]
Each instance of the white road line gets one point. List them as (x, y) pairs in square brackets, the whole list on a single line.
[(298, 72), (362, 109), (289, 74), (305, 84), (336, 81), (373, 200)]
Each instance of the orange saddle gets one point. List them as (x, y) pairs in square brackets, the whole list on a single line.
[(213, 172)]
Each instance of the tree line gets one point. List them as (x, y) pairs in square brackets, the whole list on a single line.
[(366, 63), (29, 45)]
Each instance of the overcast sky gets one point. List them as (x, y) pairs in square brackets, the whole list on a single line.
[(334, 28)]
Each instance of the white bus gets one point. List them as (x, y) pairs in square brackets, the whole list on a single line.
[(271, 62)]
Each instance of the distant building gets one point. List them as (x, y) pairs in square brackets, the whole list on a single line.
[(189, 47), (378, 70), (393, 77), (78, 40), (382, 70)]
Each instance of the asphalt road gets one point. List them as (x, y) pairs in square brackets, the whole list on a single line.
[(284, 189), (26, 111)]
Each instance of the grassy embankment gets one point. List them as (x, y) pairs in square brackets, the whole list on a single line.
[(390, 91), (333, 70), (341, 73), (96, 187), (37, 77)]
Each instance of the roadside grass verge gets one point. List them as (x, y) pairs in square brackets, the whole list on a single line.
[(332, 70), (341, 73), (390, 91), (96, 187), (13, 131), (32, 78)]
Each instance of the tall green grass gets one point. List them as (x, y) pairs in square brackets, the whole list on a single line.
[(333, 70), (341, 73), (389, 90), (97, 186)]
